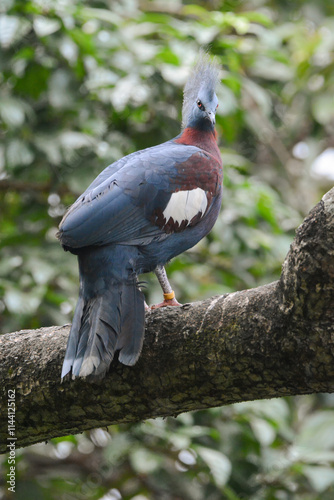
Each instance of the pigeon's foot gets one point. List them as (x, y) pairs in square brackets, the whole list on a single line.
[(169, 300)]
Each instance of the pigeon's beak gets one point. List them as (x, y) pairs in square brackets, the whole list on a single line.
[(212, 117)]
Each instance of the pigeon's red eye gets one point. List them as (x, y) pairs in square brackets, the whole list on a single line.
[(200, 105)]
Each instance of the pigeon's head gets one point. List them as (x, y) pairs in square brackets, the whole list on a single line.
[(200, 102)]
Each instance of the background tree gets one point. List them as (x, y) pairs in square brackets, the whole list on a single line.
[(83, 83)]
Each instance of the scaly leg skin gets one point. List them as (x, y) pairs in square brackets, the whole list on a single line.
[(169, 295)]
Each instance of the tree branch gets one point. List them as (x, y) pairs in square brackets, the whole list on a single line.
[(271, 341), (33, 187)]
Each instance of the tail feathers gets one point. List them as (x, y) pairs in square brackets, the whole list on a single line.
[(73, 338), (130, 340), (102, 325)]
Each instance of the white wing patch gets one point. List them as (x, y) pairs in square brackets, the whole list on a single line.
[(185, 205)]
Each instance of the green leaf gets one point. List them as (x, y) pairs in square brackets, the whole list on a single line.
[(144, 461), (270, 69), (12, 29), (106, 15), (320, 477), (12, 112), (18, 153), (323, 108), (219, 465), (316, 433), (45, 26), (34, 82)]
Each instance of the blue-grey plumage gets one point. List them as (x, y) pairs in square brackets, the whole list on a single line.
[(110, 311), (140, 212)]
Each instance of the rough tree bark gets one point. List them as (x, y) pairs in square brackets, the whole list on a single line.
[(271, 341)]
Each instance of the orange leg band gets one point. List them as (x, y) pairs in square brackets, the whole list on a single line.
[(169, 296)]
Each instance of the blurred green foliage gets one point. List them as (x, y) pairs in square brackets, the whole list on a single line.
[(84, 83)]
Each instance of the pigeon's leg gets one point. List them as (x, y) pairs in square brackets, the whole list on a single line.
[(169, 295)]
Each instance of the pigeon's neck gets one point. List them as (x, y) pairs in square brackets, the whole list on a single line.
[(204, 139)]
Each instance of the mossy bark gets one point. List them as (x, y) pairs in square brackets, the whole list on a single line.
[(271, 341)]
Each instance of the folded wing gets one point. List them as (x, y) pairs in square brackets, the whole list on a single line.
[(143, 197)]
